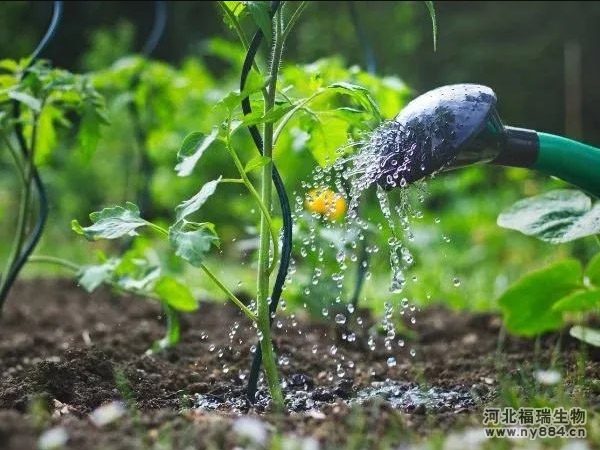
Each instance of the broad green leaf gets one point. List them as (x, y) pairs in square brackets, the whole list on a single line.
[(46, 137), (90, 277), (9, 65), (112, 223), (527, 304), (582, 301), (328, 135), (256, 162), (557, 216), (588, 335), (592, 271), (192, 149), (175, 294), (259, 11), (28, 100), (431, 10), (195, 203), (192, 241), (89, 130)]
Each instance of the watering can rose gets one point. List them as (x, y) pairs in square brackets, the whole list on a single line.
[(327, 203)]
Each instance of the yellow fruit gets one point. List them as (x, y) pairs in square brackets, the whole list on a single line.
[(327, 203)]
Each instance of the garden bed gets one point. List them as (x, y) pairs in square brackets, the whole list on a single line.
[(64, 353)]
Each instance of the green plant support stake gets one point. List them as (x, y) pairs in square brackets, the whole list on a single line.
[(458, 125)]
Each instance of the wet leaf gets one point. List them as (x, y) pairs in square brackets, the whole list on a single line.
[(582, 301), (328, 134), (175, 294), (588, 335), (557, 216), (112, 223), (528, 304), (192, 149), (192, 205), (192, 241), (257, 162)]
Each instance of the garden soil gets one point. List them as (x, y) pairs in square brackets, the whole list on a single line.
[(64, 353)]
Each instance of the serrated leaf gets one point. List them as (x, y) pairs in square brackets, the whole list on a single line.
[(432, 15), (582, 301), (259, 11), (558, 216), (527, 304), (175, 294), (256, 162), (90, 277), (193, 147), (112, 223), (588, 335), (192, 241), (192, 205), (31, 102), (592, 271)]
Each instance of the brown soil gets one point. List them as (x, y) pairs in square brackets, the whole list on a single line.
[(63, 353)]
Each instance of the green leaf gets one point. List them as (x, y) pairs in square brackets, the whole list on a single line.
[(195, 203), (90, 277), (259, 11), (431, 9), (192, 149), (256, 162), (557, 216), (192, 241), (592, 271), (582, 301), (175, 294), (359, 93), (254, 83), (527, 304), (89, 130), (588, 335), (328, 135), (112, 223), (31, 102)]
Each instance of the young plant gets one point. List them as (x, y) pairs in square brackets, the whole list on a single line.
[(538, 301), (35, 102)]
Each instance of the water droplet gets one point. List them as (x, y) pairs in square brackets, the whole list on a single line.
[(340, 319), (391, 361), (456, 282), (412, 352)]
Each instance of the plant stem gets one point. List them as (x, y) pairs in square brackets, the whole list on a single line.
[(24, 206), (259, 200), (54, 260), (230, 294), (264, 315)]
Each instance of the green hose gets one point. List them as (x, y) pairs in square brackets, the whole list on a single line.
[(569, 160)]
